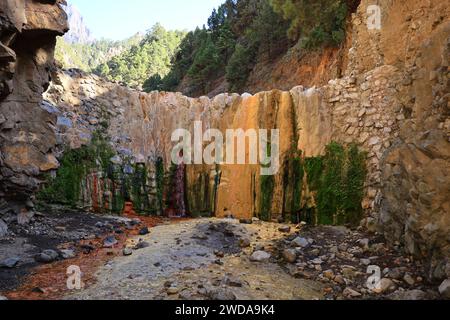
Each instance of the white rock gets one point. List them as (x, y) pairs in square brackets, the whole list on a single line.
[(300, 242), (260, 256)]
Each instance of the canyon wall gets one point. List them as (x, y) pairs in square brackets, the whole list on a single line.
[(28, 31), (392, 103)]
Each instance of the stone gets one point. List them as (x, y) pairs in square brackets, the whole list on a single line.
[(386, 285), (24, 217), (409, 279), (10, 263), (285, 229), (144, 231), (365, 262), (364, 243), (109, 242), (374, 141), (185, 295), (173, 290), (260, 256), (444, 289), (351, 293), (339, 279), (3, 228), (300, 242), (244, 242), (127, 252), (67, 254), (3, 298), (246, 221), (409, 295), (395, 273), (221, 295), (233, 282), (290, 255), (219, 254), (47, 256), (141, 245), (329, 274)]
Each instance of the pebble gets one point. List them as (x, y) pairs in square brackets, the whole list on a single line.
[(144, 231), (329, 274), (290, 255), (385, 285), (219, 254), (339, 279), (47, 256), (350, 293), (221, 295), (142, 245), (127, 252), (109, 242), (300, 242), (410, 295), (409, 279), (285, 229), (172, 290), (68, 254), (364, 243), (244, 243), (233, 282)]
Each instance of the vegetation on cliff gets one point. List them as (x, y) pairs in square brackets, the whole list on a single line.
[(242, 33), (88, 56), (150, 58), (336, 182), (321, 190), (76, 164)]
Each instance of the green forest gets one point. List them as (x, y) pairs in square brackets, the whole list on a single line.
[(236, 36)]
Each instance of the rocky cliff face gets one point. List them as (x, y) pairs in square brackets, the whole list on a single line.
[(79, 32), (373, 142), (28, 30)]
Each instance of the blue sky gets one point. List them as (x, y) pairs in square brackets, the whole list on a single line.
[(118, 19)]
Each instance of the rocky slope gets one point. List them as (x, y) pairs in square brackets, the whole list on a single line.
[(392, 103)]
